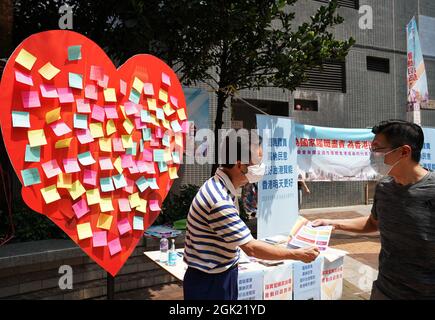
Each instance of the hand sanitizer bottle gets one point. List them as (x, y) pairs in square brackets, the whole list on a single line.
[(172, 260), (163, 250)]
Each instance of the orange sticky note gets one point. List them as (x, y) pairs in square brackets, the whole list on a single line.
[(64, 180), (26, 59), (104, 221), (64, 143), (143, 206), (52, 116)]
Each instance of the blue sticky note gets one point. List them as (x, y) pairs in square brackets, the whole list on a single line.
[(80, 121), (160, 114), (106, 184), (140, 145), (146, 134), (152, 183), (166, 140), (75, 80), (33, 154), (20, 119), (145, 116), (74, 53), (158, 155), (163, 167), (119, 181), (134, 96), (142, 184), (30, 177), (132, 150), (176, 126), (138, 223), (176, 157), (86, 158)]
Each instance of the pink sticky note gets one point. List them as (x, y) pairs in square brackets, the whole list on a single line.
[(141, 165), (111, 112), (130, 186), (98, 113), (174, 101), (159, 133), (80, 208), (154, 142), (147, 154), (124, 226), (90, 177), (30, 99), (51, 168), (150, 167), (126, 160), (154, 205), (166, 80), (117, 145), (185, 127), (114, 246), (97, 73), (60, 128), (106, 164), (122, 87), (103, 83), (133, 169), (139, 124), (91, 92), (84, 136), (48, 91), (99, 239), (130, 108), (124, 205), (71, 165), (23, 78), (148, 89), (65, 95), (83, 106)]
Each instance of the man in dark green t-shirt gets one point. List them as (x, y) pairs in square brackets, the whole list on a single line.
[(403, 212)]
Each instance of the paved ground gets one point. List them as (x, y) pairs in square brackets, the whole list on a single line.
[(360, 266)]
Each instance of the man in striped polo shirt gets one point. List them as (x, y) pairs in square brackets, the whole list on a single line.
[(215, 231)]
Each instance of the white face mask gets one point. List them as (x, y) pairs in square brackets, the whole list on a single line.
[(377, 162), (255, 172)]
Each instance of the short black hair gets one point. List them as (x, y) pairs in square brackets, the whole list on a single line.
[(242, 149), (399, 133)]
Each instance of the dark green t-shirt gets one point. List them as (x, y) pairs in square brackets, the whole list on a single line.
[(406, 217)]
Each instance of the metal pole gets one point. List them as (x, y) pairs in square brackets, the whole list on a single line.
[(110, 287)]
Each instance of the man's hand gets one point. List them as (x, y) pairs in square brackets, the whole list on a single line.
[(306, 255), (324, 222)]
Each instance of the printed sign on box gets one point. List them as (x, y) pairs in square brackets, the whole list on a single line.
[(278, 282), (307, 280)]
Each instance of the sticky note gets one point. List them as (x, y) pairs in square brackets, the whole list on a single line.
[(48, 91), (30, 99), (122, 87), (91, 92), (152, 104), (98, 113), (64, 143), (106, 204), (128, 126), (167, 156), (133, 150), (158, 155), (146, 134), (48, 71), (181, 114), (166, 79), (64, 180), (74, 52), (50, 194), (154, 205), (131, 108), (110, 127), (65, 95), (84, 231), (114, 246), (36, 137), (76, 190), (163, 96), (103, 83), (134, 96), (176, 157), (105, 163), (134, 200), (130, 187), (166, 140), (106, 184), (168, 109), (25, 59), (138, 84), (83, 106), (109, 95), (141, 184), (99, 239), (20, 119), (97, 73), (124, 226), (33, 154), (75, 80), (145, 116), (84, 136), (93, 196), (23, 78), (142, 207), (117, 145), (104, 221), (51, 168), (85, 158), (117, 165), (179, 139), (52, 116), (174, 101), (90, 177), (124, 205), (60, 128), (138, 223), (80, 208), (163, 167), (160, 114), (176, 126), (127, 141), (166, 124), (30, 177), (126, 161), (133, 169), (173, 173), (111, 112), (105, 144), (119, 181), (150, 168), (148, 89), (152, 182), (96, 130), (80, 121)]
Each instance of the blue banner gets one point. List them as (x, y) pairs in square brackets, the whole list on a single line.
[(428, 152)]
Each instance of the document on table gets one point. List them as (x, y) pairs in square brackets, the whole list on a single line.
[(305, 235)]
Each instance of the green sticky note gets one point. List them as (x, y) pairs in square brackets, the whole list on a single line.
[(132, 150), (20, 119), (158, 155), (163, 167), (74, 53), (146, 134), (30, 177), (142, 184), (75, 80), (134, 96), (33, 154), (119, 181), (80, 121)]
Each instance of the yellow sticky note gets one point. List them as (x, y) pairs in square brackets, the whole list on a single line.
[(48, 71), (167, 156), (64, 143), (163, 95), (26, 59), (106, 204), (152, 104), (104, 221), (64, 180), (128, 126), (110, 127), (143, 206), (117, 165), (178, 139), (166, 124), (110, 95), (127, 141), (154, 120), (134, 200), (93, 196), (52, 116), (76, 190), (168, 109), (173, 173), (123, 111), (84, 231), (96, 130), (50, 194), (36, 137), (105, 144), (181, 114), (138, 84)]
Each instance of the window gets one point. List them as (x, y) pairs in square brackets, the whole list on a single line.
[(378, 64), (354, 4), (306, 105), (331, 76)]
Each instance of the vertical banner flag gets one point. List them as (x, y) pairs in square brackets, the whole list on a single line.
[(277, 192), (418, 94), (428, 152)]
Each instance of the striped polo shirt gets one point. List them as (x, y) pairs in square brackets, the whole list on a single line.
[(214, 229)]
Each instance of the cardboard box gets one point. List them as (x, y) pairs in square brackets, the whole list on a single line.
[(332, 274)]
